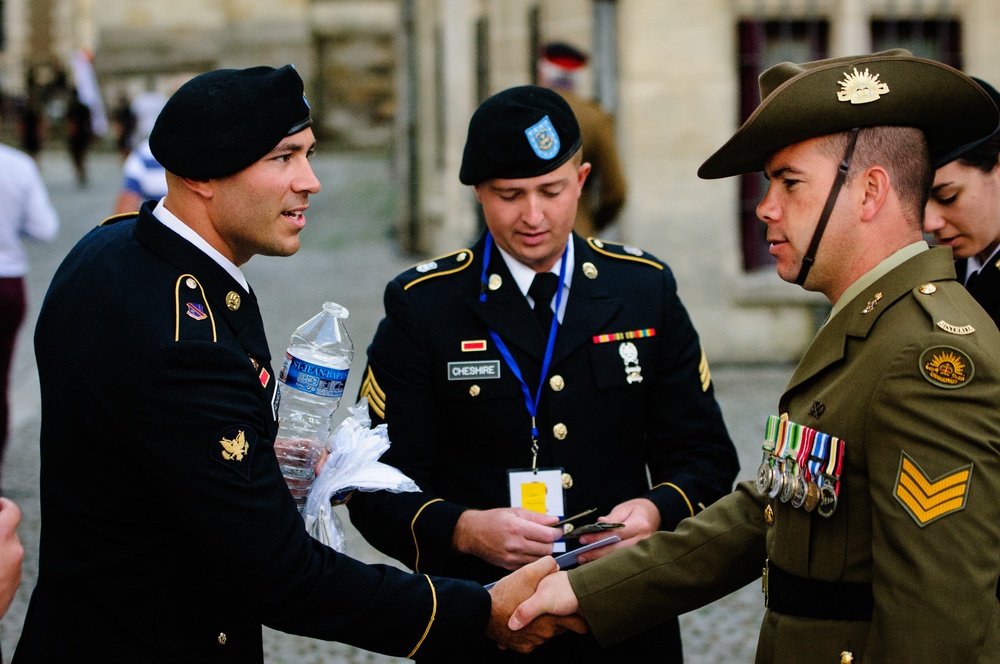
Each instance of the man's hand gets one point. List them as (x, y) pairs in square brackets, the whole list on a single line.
[(511, 591), (554, 596), (11, 553), (508, 537), (641, 519)]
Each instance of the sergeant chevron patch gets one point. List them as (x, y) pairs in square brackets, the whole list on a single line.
[(375, 394), (928, 500)]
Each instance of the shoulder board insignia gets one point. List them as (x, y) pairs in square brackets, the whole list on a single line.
[(119, 217), (438, 267), (193, 318), (616, 250), (928, 500), (947, 367)]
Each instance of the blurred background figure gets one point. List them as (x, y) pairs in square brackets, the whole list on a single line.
[(79, 135), (25, 211), (30, 125), (964, 213), (143, 178), (559, 68), (124, 123)]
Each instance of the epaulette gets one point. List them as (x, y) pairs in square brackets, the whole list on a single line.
[(437, 267), (943, 311), (193, 318), (622, 251), (118, 217)]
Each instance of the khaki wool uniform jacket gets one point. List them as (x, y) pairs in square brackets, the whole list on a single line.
[(877, 380)]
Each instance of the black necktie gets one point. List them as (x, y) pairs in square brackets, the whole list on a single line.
[(543, 287), (971, 279)]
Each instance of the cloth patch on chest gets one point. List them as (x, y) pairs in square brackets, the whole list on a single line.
[(928, 500)]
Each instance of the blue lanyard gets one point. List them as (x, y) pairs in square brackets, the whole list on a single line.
[(531, 403)]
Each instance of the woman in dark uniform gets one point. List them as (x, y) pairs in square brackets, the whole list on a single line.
[(964, 213)]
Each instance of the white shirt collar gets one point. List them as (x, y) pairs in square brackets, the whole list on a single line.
[(168, 219), (973, 265), (523, 275)]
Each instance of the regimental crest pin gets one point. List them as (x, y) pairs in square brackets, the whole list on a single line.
[(859, 88), (543, 138), (196, 311)]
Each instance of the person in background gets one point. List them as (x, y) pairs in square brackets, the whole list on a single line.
[(168, 532), (560, 66), (143, 178), (964, 213), (79, 135), (538, 350), (874, 512), (25, 213), (124, 125)]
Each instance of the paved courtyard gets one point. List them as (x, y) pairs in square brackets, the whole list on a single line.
[(347, 256)]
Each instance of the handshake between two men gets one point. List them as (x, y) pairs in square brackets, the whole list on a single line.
[(532, 605)]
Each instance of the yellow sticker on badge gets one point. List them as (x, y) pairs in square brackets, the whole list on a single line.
[(533, 496), (947, 367)]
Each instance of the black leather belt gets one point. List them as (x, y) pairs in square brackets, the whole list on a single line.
[(820, 600)]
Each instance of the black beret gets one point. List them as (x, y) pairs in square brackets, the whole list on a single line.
[(220, 122), (969, 147), (892, 88), (521, 132)]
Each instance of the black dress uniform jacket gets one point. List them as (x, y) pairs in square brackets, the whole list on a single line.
[(986, 286), (458, 438), (168, 534)]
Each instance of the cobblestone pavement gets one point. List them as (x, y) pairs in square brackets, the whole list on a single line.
[(346, 257)]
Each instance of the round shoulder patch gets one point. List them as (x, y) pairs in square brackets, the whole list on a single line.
[(947, 367)]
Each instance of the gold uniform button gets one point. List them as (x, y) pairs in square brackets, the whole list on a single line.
[(461, 257), (589, 270), (233, 300), (191, 283), (474, 391), (927, 289), (495, 282), (560, 431), (598, 244), (557, 383), (567, 481), (222, 638), (769, 515)]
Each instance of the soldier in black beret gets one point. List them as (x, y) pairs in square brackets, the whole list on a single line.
[(536, 376), (874, 511), (168, 533)]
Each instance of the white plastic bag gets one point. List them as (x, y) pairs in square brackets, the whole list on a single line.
[(352, 465)]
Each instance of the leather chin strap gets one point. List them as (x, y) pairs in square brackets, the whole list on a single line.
[(831, 200)]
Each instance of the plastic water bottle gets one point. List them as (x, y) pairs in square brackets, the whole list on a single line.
[(312, 382)]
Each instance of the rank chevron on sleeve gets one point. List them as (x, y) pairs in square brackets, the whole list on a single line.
[(375, 394), (928, 500)]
